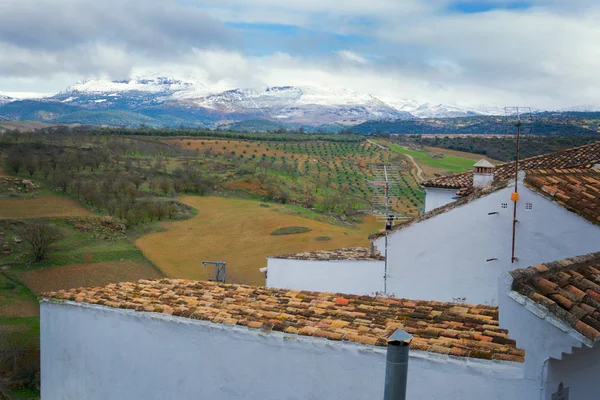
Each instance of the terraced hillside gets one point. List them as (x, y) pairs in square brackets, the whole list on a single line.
[(317, 168)]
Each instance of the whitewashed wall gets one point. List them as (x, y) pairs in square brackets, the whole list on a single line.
[(344, 276), (437, 197), (445, 257), (579, 371), (92, 352), (554, 351)]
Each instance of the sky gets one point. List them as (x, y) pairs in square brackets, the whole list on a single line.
[(537, 53)]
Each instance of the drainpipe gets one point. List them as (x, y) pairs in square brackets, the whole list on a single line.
[(543, 379), (396, 366)]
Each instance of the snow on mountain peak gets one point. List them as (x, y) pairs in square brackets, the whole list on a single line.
[(24, 95), (142, 85)]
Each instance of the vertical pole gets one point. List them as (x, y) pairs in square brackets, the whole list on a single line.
[(385, 264), (386, 232), (514, 229)]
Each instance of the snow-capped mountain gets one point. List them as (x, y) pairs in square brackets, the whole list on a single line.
[(161, 101), (302, 104), (131, 93), (305, 105), (430, 110), (583, 108), (7, 97)]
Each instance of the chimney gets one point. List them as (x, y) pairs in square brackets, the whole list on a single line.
[(483, 175), (396, 366)]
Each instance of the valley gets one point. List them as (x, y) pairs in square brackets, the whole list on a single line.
[(116, 207), (129, 204)]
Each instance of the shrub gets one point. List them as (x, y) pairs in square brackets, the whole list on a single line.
[(290, 230), (322, 238)]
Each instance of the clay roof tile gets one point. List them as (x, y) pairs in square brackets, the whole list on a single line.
[(566, 288), (457, 329)]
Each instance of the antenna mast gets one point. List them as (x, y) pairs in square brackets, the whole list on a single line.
[(384, 192), (514, 117)]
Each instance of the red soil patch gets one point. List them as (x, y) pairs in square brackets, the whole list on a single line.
[(247, 186)]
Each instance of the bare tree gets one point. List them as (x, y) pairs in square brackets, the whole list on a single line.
[(41, 235), (31, 162), (15, 160)]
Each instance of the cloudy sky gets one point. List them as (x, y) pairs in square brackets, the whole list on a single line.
[(540, 53)]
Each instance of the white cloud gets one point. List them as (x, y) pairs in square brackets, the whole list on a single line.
[(352, 56), (544, 56)]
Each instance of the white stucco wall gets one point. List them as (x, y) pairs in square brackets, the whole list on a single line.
[(579, 371), (444, 257), (482, 180), (554, 351), (92, 352), (344, 276), (437, 197)]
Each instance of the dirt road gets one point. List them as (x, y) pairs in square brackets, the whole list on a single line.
[(420, 176)]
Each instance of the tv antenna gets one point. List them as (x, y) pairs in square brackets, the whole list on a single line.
[(386, 184), (522, 119), (219, 269)]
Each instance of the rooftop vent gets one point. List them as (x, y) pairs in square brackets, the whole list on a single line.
[(483, 175)]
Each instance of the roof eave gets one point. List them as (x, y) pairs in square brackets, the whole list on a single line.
[(547, 315)]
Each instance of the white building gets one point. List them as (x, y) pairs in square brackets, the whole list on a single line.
[(177, 339), (457, 252), (552, 311), (447, 189), (349, 270)]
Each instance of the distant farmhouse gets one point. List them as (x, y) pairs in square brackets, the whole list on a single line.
[(204, 340), (457, 251)]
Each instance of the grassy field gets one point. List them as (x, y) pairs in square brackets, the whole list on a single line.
[(239, 232), (448, 163), (84, 275), (42, 207)]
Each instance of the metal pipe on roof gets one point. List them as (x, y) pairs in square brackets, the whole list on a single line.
[(396, 366)]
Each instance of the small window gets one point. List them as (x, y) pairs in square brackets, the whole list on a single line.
[(504, 205), (529, 206)]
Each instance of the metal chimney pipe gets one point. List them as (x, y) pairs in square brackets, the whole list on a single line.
[(396, 366)]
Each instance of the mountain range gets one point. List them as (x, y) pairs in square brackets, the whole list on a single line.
[(159, 102)]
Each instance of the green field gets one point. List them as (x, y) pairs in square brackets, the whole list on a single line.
[(448, 162)]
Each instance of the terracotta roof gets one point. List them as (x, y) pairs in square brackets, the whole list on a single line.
[(578, 190), (349, 253), (453, 329), (583, 156), (469, 196), (569, 289)]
